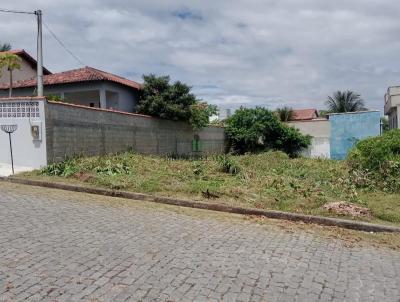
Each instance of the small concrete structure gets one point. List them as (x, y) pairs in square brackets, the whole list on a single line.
[(320, 130), (392, 106), (348, 128)]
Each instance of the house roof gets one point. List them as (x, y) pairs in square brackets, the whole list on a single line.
[(23, 54), (84, 74), (304, 114)]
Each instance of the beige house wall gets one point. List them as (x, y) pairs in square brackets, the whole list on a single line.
[(315, 128), (26, 72)]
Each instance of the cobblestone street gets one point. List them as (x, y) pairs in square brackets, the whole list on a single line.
[(63, 246)]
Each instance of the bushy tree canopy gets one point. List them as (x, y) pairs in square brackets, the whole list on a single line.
[(258, 129), (158, 97)]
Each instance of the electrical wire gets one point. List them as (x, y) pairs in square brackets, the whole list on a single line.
[(49, 29), (62, 44), (16, 11)]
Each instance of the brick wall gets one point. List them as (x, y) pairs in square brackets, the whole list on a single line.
[(73, 130)]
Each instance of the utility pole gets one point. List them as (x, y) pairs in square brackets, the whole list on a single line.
[(38, 14)]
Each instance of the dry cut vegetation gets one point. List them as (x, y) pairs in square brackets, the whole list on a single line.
[(268, 180)]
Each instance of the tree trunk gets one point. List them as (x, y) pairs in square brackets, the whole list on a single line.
[(11, 83)]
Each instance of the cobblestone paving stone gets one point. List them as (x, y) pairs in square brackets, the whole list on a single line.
[(63, 246)]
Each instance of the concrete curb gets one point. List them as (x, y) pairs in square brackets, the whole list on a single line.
[(348, 224)]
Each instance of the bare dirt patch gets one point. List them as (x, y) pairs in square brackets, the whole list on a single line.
[(345, 208), (83, 176)]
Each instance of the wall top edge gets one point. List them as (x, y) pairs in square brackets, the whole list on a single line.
[(355, 112), (22, 98)]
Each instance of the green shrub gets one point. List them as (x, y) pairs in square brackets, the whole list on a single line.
[(291, 141), (198, 168), (227, 164), (102, 166), (65, 168), (378, 160), (54, 98), (113, 168), (258, 129)]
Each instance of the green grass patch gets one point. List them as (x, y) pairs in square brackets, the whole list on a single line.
[(269, 180)]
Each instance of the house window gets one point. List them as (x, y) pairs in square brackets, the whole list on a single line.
[(91, 105)]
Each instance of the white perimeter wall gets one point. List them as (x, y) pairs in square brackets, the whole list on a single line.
[(320, 130), (28, 153)]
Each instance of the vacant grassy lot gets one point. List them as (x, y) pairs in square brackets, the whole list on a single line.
[(267, 181)]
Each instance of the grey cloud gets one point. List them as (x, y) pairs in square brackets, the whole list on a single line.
[(249, 52)]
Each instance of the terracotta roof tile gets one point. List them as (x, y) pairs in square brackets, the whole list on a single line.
[(304, 114), (77, 75)]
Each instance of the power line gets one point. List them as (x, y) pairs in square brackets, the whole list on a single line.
[(48, 28), (16, 11), (62, 44)]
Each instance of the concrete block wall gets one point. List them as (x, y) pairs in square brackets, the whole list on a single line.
[(73, 130)]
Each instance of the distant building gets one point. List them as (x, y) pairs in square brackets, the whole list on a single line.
[(304, 114), (392, 106), (225, 113)]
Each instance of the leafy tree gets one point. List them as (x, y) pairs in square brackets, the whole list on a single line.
[(258, 129), (200, 114), (158, 97), (5, 46), (11, 62), (345, 101), (285, 113)]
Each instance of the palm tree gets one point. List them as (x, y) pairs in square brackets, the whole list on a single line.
[(345, 101), (11, 62), (285, 113), (5, 46)]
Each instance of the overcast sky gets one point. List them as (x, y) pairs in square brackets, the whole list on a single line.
[(250, 52)]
